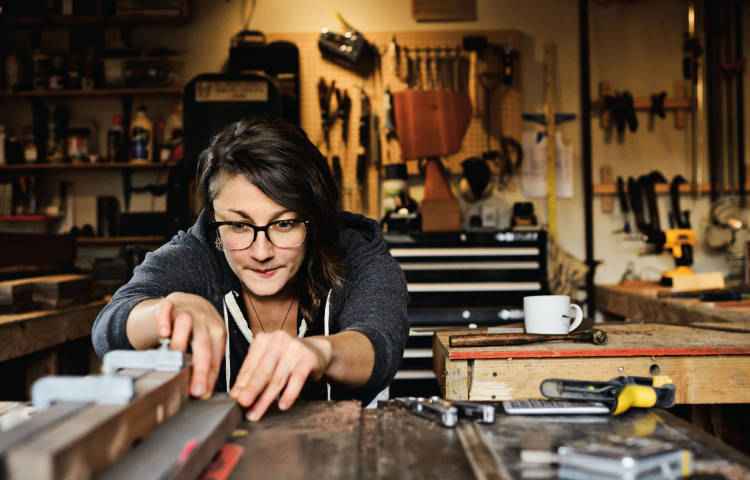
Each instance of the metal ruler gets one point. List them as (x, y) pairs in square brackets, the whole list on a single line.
[(549, 116)]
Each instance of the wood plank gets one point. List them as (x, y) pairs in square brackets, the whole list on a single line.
[(641, 303), (200, 425), (317, 440), (624, 340), (24, 333), (452, 375), (101, 434), (708, 379), (57, 291), (15, 295)]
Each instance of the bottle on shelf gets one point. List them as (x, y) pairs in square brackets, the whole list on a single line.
[(30, 153), (2, 144), (115, 140), (12, 73), (141, 137)]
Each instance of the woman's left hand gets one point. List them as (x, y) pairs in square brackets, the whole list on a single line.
[(277, 361)]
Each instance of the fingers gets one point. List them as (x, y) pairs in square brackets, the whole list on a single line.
[(258, 368), (201, 345), (277, 382), (275, 363), (293, 388), (164, 318), (183, 327), (218, 344)]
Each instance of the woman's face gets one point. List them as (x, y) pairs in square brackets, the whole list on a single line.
[(263, 269)]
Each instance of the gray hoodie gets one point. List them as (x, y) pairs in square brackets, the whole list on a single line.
[(372, 301)]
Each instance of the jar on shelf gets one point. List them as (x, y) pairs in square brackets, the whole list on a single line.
[(78, 144), (30, 152)]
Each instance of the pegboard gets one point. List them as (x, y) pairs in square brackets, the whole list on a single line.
[(505, 107)]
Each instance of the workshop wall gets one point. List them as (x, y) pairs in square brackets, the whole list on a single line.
[(635, 46)]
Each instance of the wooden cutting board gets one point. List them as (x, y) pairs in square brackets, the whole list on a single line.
[(431, 123)]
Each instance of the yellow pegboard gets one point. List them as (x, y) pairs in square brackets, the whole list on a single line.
[(505, 107)]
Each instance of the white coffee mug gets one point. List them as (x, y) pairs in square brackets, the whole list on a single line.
[(550, 314)]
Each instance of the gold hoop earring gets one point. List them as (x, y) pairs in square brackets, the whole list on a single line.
[(218, 244)]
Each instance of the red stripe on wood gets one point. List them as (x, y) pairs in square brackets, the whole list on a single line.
[(614, 352)]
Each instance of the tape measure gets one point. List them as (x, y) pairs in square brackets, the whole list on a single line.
[(549, 116)]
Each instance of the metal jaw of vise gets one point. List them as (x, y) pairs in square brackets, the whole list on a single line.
[(107, 388), (446, 412)]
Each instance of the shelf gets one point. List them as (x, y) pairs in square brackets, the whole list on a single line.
[(659, 188), (62, 21), (29, 218), (102, 92), (107, 241), (85, 166)]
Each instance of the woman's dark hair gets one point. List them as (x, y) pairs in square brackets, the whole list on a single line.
[(282, 162)]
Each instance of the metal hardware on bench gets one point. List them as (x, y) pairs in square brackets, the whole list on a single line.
[(161, 359), (432, 408), (102, 389)]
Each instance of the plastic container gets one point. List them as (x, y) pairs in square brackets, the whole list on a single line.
[(115, 139), (2, 144), (394, 187), (141, 137), (30, 151), (78, 144)]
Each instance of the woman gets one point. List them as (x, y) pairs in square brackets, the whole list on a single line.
[(276, 292)]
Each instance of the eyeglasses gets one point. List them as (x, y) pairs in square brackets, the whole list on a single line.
[(281, 233)]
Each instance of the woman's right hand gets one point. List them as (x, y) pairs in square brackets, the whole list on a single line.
[(190, 319)]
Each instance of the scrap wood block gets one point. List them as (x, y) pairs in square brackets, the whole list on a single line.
[(15, 295), (83, 444), (47, 292), (698, 282)]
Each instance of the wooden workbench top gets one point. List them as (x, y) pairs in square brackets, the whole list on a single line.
[(649, 302), (624, 340)]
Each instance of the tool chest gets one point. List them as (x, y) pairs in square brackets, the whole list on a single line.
[(459, 280)]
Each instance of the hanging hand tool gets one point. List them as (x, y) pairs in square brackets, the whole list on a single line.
[(389, 126), (325, 92), (619, 394), (396, 51), (418, 69), (679, 239), (623, 204), (457, 70), (364, 145), (595, 336), (636, 203), (338, 174), (343, 112), (507, 56), (474, 44)]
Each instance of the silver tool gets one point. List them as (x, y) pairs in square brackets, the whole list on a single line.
[(479, 412), (162, 359), (101, 389), (432, 408), (447, 412)]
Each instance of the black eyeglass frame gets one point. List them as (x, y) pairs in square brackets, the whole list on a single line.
[(264, 229)]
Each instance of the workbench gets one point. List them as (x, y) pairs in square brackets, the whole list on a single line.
[(649, 302), (29, 344), (706, 365), (341, 440)]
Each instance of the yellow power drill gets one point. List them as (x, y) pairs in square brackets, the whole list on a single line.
[(679, 239)]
